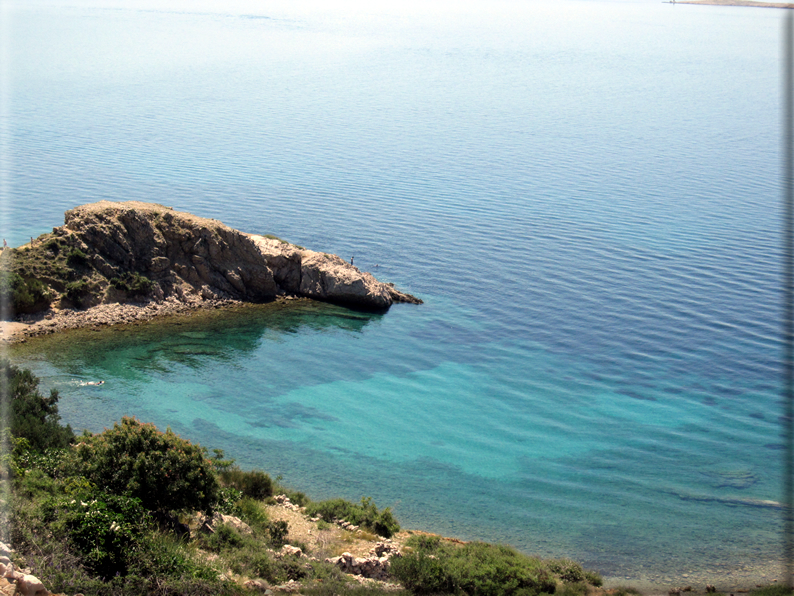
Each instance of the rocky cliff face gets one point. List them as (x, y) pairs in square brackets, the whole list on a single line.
[(185, 255)]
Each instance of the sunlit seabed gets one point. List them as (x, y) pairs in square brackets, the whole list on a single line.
[(478, 449)]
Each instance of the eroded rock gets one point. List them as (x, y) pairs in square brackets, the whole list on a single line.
[(211, 523), (188, 255), (375, 566)]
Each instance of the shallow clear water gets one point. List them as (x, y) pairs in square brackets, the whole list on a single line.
[(583, 192)]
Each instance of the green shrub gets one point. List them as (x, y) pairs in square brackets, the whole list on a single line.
[(323, 525), (593, 578), (625, 591), (135, 585), (254, 484), (424, 571), (77, 291), (228, 501), (364, 514), (53, 246), (36, 483), (33, 416), (77, 258), (223, 538), (219, 463), (336, 587), (772, 590), (105, 530), (24, 295), (252, 513), (134, 284), (50, 462), (164, 471), (296, 497), (278, 531), (474, 569), (291, 568), (256, 562), (572, 589), (164, 555), (567, 570)]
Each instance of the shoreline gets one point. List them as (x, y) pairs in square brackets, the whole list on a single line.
[(740, 581), (102, 316), (737, 578)]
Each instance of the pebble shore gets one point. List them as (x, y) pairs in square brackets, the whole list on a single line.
[(105, 315)]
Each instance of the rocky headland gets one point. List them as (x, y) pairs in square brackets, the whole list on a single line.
[(122, 262)]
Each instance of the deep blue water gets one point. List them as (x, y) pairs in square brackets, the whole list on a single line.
[(585, 194)]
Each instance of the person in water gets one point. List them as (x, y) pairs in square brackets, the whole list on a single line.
[(95, 383)]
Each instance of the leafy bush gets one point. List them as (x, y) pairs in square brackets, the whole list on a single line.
[(135, 585), (278, 531), (164, 555), (593, 578), (262, 565), (254, 561), (335, 587), (567, 570), (77, 291), (254, 484), (625, 591), (422, 571), (36, 483), (77, 258), (475, 568), (572, 589), (772, 590), (228, 501), (50, 462), (161, 469), (53, 246), (296, 497), (219, 463), (23, 295), (225, 536), (33, 416), (253, 514), (106, 530), (134, 284), (291, 568), (364, 514), (71, 535)]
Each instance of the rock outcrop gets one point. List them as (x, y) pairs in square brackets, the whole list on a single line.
[(18, 581), (375, 566), (209, 524), (183, 256)]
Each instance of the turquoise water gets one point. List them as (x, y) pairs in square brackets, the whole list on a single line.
[(583, 192)]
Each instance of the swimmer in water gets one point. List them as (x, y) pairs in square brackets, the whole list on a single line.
[(95, 383)]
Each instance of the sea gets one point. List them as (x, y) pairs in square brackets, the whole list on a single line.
[(585, 194)]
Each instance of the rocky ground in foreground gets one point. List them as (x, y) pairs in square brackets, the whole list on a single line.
[(361, 555)]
